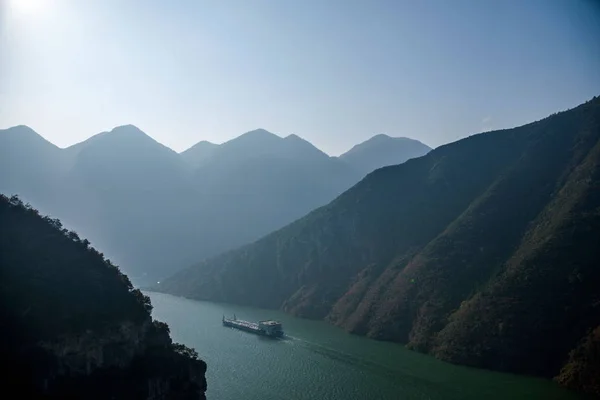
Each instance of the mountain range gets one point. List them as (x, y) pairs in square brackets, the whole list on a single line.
[(155, 211), (483, 252)]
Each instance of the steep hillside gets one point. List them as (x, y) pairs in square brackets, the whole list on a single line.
[(482, 252), (72, 324), (381, 151)]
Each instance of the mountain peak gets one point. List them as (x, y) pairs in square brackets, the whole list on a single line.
[(259, 138), (19, 128), (124, 139), (300, 147), (199, 153), (202, 145), (381, 136), (24, 134), (293, 136), (125, 127), (259, 133), (121, 133), (128, 130), (383, 150), (205, 143)]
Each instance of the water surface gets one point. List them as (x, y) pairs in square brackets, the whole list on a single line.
[(318, 361)]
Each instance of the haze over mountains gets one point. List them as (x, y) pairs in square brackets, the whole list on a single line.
[(483, 252), (155, 211)]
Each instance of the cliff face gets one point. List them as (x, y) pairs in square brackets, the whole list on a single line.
[(74, 327), (122, 362), (483, 252)]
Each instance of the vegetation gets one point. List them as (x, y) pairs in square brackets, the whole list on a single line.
[(483, 252), (62, 304), (583, 369), (185, 351)]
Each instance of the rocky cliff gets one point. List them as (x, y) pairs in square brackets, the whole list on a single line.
[(73, 327)]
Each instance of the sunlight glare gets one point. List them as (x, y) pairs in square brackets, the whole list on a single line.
[(28, 7)]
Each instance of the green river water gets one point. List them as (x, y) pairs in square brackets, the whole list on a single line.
[(318, 361)]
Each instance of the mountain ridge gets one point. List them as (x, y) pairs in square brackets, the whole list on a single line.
[(116, 187), (131, 127), (129, 136)]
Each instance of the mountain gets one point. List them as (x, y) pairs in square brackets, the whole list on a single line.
[(483, 252), (383, 150), (126, 156), (72, 324), (156, 211), (118, 188), (251, 145), (260, 182), (199, 153), (29, 165)]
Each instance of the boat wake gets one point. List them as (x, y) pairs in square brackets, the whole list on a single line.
[(399, 375)]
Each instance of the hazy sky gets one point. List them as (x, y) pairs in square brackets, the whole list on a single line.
[(332, 71)]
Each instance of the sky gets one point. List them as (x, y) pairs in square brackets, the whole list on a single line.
[(334, 72)]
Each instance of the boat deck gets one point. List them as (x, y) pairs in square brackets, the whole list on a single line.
[(268, 328), (245, 324)]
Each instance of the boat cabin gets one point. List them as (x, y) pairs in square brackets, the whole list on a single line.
[(270, 327)]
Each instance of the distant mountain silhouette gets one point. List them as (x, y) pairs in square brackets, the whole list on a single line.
[(258, 182), (383, 150), (128, 158), (135, 198), (199, 154), (483, 252), (155, 211), (31, 166), (251, 145)]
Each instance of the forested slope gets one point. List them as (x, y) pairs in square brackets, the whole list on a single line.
[(72, 324)]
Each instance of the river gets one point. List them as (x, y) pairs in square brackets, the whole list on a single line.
[(318, 361)]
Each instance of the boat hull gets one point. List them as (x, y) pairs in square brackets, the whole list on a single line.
[(250, 327)]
